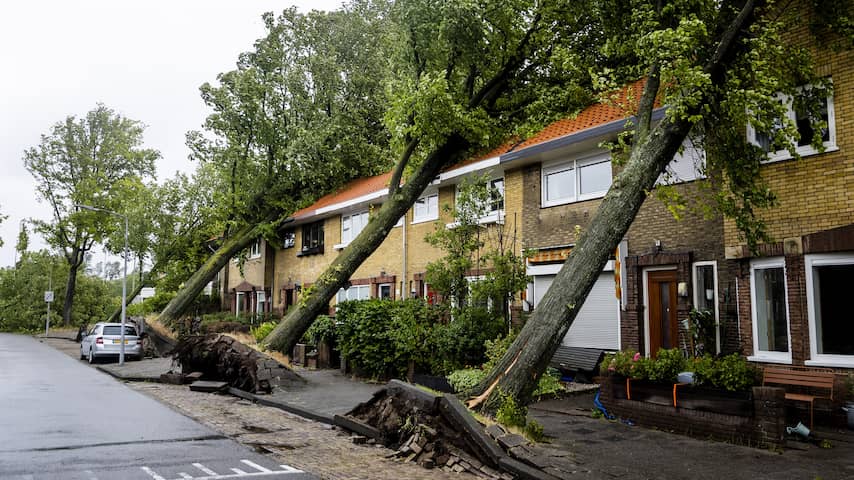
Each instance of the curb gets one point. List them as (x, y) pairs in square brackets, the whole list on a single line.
[(302, 412), (127, 379)]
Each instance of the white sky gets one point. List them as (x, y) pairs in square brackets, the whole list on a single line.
[(146, 60)]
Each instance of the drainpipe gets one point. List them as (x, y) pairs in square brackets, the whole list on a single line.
[(404, 293)]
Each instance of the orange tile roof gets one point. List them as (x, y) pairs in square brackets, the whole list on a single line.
[(353, 189), (613, 107)]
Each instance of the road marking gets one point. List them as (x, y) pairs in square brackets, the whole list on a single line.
[(204, 469), (256, 466), (238, 473)]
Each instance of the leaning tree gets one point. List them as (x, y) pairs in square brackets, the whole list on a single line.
[(301, 114)]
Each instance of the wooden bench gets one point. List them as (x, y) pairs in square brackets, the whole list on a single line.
[(818, 382)]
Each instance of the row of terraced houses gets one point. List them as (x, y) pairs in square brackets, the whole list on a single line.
[(786, 303)]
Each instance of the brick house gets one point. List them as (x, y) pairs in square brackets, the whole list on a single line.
[(792, 293), (247, 289)]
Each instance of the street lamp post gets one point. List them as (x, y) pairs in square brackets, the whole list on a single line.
[(124, 277)]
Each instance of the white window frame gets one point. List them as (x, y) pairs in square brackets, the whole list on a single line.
[(697, 293), (817, 359), (354, 292), (430, 211), (351, 226), (238, 304), (260, 301), (765, 356), (255, 249), (575, 165), (803, 150)]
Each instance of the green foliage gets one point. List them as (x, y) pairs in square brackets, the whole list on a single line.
[(667, 364), (732, 372), (460, 342), (510, 413), (322, 330), (261, 331), (534, 431), (381, 337), (549, 384), (22, 306), (701, 327), (496, 348), (465, 381)]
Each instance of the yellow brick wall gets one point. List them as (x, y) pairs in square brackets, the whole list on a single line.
[(253, 271), (817, 192)]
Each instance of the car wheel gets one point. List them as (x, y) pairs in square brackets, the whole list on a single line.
[(91, 356)]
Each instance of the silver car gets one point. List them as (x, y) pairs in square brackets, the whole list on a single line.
[(105, 340)]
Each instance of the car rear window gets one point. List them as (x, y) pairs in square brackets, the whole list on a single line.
[(117, 330)]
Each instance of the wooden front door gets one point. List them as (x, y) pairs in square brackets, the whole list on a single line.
[(663, 330)]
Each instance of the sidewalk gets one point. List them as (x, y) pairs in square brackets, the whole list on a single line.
[(598, 447)]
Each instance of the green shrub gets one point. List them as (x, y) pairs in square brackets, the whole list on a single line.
[(665, 367), (460, 342), (323, 329), (732, 372), (510, 413), (466, 380), (549, 384), (495, 349), (261, 331)]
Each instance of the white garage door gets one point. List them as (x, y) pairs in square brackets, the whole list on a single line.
[(597, 323)]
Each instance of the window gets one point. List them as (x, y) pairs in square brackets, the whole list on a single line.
[(831, 329), (255, 249), (238, 304), (706, 297), (426, 208), (289, 239), (355, 292), (770, 311), (312, 238), (496, 196), (260, 300), (576, 180), (803, 119), (384, 291), (351, 226)]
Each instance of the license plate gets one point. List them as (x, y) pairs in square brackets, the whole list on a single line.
[(117, 342)]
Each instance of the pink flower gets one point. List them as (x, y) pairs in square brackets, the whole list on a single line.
[(611, 368), (636, 357)]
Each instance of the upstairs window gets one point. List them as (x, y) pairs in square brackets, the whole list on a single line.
[(496, 196), (255, 249), (806, 116), (351, 226), (426, 208), (289, 239), (312, 238), (576, 180)]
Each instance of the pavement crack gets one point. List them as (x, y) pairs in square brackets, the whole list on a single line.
[(114, 444)]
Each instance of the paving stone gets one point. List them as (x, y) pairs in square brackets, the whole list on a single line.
[(208, 386)]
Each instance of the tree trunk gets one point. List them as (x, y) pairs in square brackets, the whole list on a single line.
[(519, 370), (196, 283), (117, 312), (286, 335), (70, 286)]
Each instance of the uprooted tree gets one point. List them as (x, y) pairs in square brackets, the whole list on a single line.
[(717, 66), (301, 114), (463, 75)]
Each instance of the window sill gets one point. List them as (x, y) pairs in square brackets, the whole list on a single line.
[(582, 198), (495, 217), (838, 362), (423, 220), (340, 246), (764, 359), (805, 151), (312, 251)]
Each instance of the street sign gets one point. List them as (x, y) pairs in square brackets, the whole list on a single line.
[(48, 296)]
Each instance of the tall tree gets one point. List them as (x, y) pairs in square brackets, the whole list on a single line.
[(463, 75), (2, 217), (89, 161), (717, 66), (301, 114)]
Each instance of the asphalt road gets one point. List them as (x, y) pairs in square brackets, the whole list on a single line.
[(60, 419)]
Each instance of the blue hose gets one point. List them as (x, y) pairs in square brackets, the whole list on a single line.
[(600, 406)]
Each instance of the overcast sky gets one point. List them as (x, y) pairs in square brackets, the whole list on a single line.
[(146, 60)]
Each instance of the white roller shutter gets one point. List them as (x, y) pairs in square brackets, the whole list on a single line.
[(597, 323)]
